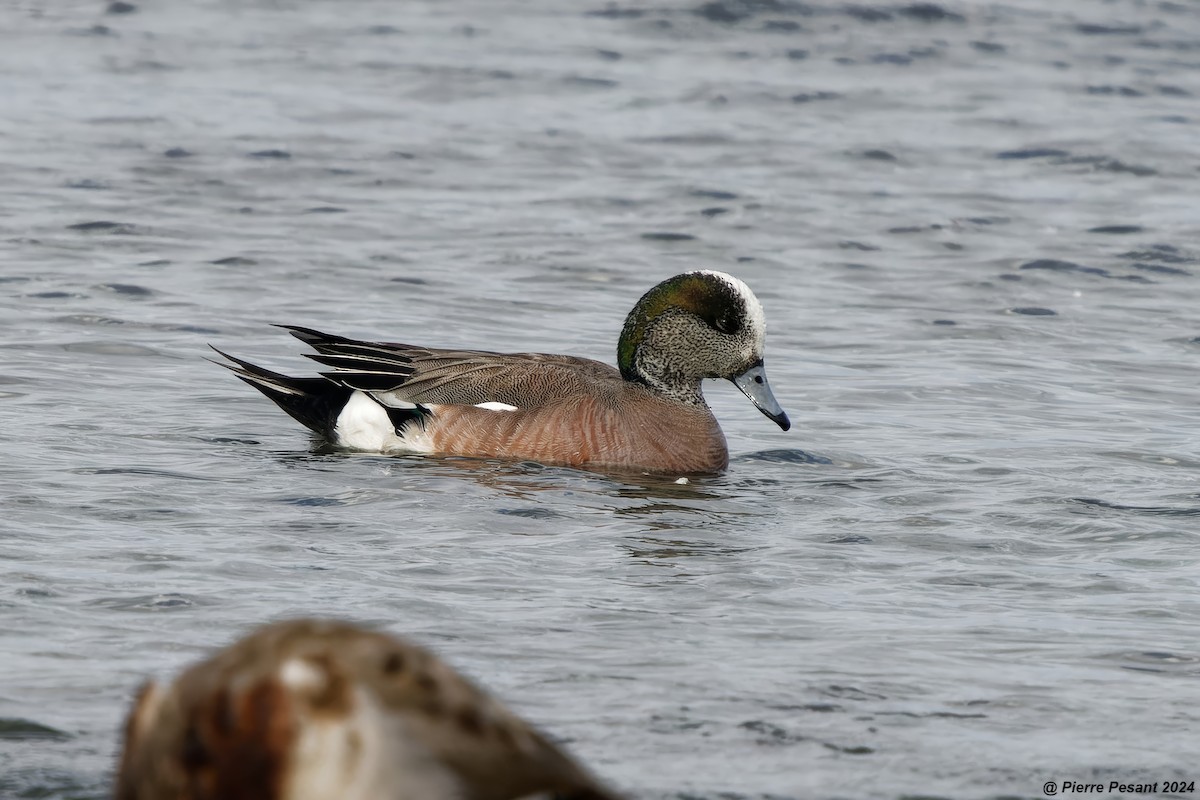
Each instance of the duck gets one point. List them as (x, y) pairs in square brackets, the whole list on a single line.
[(325, 709), (648, 414)]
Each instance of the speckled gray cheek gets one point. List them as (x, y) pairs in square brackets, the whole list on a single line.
[(746, 341), (706, 355), (680, 349)]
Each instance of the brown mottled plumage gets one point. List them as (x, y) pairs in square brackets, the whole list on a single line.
[(324, 710), (647, 415)]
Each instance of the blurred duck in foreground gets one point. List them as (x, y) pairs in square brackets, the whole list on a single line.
[(314, 709)]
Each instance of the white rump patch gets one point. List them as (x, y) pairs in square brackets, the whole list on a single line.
[(494, 406), (365, 425), (682, 481)]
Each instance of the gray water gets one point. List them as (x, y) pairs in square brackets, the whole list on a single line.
[(971, 566)]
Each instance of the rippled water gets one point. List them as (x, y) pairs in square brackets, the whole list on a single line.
[(971, 566)]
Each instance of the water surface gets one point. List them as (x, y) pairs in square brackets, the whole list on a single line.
[(970, 567)]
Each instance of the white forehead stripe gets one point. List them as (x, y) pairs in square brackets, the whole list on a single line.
[(754, 309)]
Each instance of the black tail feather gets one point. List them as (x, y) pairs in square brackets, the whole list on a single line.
[(378, 354), (304, 334), (399, 367), (313, 402), (314, 337)]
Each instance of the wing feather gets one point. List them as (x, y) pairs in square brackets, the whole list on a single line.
[(401, 373)]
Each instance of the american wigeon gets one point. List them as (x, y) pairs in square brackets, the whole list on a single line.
[(324, 710), (648, 415)]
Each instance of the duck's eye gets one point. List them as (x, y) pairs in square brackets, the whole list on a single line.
[(724, 323)]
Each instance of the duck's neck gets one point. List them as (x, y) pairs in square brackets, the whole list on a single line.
[(665, 382)]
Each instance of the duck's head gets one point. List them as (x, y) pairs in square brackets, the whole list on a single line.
[(698, 325)]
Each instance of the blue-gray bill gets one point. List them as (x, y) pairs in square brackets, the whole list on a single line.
[(753, 383)]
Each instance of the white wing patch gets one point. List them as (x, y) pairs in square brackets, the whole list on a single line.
[(494, 406)]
